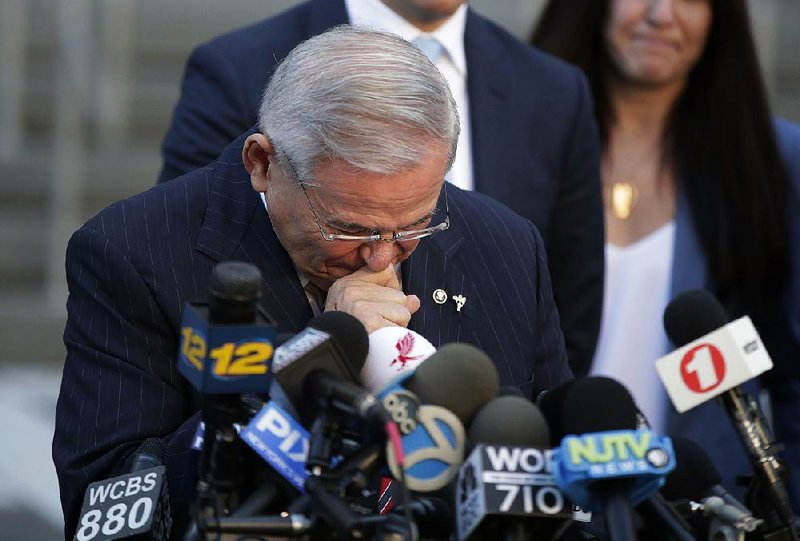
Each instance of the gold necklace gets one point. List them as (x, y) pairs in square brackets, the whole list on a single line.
[(622, 198)]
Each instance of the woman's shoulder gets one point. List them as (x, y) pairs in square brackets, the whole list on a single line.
[(788, 135), (787, 130)]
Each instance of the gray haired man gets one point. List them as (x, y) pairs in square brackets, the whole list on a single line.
[(357, 131)]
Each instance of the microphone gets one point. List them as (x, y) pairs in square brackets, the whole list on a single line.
[(696, 478), (505, 488), (509, 420), (392, 351), (133, 506), (281, 441), (610, 465), (433, 516), (459, 377), (323, 363), (430, 407), (713, 359), (226, 349), (227, 343)]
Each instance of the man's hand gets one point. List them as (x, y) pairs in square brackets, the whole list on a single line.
[(374, 298)]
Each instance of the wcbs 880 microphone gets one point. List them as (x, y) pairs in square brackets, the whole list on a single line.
[(130, 506)]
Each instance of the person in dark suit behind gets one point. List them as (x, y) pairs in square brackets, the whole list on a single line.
[(341, 186), (703, 192), (528, 137)]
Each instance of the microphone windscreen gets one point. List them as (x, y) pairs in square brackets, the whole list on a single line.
[(393, 350), (693, 314), (509, 420), (235, 281), (154, 447), (551, 404), (598, 404), (349, 335), (694, 472), (510, 390), (458, 377)]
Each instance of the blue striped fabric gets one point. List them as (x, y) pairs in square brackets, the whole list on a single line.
[(131, 268)]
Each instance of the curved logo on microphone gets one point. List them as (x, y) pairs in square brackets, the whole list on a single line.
[(433, 451), (703, 368)]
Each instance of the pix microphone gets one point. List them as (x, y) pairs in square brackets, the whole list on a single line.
[(505, 488), (130, 506), (713, 359)]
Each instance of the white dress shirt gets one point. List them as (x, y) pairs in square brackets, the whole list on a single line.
[(632, 337), (452, 63)]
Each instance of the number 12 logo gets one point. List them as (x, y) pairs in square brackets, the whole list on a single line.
[(246, 358), (703, 368)]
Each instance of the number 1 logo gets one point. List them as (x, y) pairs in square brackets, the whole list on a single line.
[(703, 368)]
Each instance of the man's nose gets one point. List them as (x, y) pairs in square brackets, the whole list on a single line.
[(379, 255), (662, 11)]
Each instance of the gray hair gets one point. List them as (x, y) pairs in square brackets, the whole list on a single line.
[(369, 98)]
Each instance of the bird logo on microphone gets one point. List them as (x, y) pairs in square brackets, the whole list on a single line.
[(404, 347)]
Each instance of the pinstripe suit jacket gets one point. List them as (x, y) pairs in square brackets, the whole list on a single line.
[(131, 268)]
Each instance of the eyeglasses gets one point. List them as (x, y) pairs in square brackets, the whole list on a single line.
[(375, 236)]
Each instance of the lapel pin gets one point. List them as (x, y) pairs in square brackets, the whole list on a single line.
[(440, 296), (460, 300)]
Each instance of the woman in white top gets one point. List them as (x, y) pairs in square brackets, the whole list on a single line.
[(702, 191)]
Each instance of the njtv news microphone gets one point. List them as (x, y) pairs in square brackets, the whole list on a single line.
[(338, 198)]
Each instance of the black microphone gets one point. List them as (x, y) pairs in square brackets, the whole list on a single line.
[(731, 354), (695, 476), (505, 488), (433, 516), (130, 506), (322, 363), (226, 350), (591, 406), (458, 377), (696, 479)]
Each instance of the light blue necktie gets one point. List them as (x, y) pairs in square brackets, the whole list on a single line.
[(430, 47)]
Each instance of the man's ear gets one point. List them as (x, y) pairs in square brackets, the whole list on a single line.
[(255, 156)]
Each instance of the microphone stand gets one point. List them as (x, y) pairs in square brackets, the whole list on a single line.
[(767, 495)]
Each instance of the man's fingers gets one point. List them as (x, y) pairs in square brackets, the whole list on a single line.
[(387, 277), (412, 303), (377, 315)]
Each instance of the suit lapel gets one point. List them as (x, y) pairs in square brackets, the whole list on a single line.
[(434, 267), (237, 227), (488, 86)]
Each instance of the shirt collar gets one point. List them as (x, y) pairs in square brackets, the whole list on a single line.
[(377, 15)]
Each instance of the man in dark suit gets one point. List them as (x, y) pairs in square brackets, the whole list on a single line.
[(340, 185), (528, 136)]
